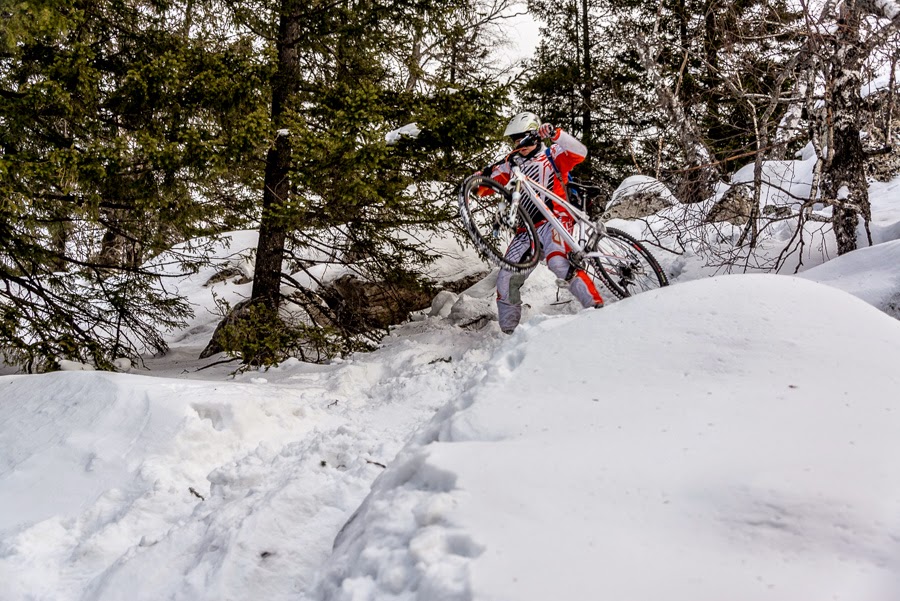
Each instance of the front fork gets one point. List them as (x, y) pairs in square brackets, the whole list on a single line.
[(507, 215), (510, 217), (597, 232)]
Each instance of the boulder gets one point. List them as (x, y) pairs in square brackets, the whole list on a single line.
[(638, 196), (362, 305), (734, 206)]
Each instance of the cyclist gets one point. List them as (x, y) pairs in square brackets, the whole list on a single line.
[(550, 167)]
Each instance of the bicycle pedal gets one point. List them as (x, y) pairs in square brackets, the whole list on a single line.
[(575, 259)]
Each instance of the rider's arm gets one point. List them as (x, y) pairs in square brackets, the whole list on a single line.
[(567, 150), (501, 174)]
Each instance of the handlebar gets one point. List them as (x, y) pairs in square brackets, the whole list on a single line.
[(529, 140)]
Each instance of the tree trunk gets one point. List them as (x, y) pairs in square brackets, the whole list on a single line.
[(60, 233), (587, 85), (845, 179), (273, 225)]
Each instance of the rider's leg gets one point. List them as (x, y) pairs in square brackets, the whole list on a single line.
[(580, 284), (509, 285), (509, 299), (583, 288)]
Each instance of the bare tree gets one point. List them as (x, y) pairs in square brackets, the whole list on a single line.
[(701, 168), (844, 38), (452, 45)]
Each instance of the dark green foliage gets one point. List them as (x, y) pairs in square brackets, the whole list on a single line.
[(117, 133), (556, 81), (334, 183), (126, 128), (260, 338)]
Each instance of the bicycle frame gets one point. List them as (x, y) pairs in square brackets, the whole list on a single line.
[(619, 260), (533, 191)]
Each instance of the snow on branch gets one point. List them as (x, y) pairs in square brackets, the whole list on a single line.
[(410, 130)]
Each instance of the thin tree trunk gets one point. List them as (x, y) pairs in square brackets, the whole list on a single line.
[(60, 232), (701, 169), (845, 181), (588, 84), (274, 221), (889, 108), (188, 18), (414, 64)]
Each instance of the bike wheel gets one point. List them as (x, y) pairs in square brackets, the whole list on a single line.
[(624, 265), (483, 204)]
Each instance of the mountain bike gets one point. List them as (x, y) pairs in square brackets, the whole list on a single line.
[(494, 215)]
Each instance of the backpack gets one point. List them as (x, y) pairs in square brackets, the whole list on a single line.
[(578, 193)]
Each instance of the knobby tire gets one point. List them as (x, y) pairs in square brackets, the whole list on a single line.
[(626, 267), (480, 211)]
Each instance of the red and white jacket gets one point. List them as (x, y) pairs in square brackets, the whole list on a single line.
[(566, 150)]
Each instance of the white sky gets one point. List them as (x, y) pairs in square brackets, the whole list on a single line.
[(524, 35)]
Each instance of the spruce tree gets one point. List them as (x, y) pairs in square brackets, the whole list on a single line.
[(333, 181), (665, 83), (120, 130)]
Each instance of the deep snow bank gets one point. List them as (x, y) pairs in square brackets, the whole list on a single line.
[(870, 273), (732, 438), (97, 469)]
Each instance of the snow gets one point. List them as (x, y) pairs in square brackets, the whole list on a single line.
[(725, 437), (67, 365), (785, 182), (858, 274), (698, 433), (410, 130), (126, 450), (887, 8)]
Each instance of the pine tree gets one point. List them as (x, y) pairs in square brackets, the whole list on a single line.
[(130, 127), (337, 91), (120, 129), (654, 80), (584, 79)]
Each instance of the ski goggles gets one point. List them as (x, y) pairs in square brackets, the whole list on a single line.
[(529, 138)]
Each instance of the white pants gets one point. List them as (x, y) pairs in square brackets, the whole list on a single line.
[(555, 251)]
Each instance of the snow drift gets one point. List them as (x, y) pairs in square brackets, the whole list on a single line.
[(729, 438)]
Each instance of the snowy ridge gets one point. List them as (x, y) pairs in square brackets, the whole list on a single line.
[(687, 464)]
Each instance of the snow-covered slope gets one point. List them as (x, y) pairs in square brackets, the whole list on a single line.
[(102, 474), (729, 438), (870, 273)]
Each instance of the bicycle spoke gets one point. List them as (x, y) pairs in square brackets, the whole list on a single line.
[(486, 217), (624, 265)]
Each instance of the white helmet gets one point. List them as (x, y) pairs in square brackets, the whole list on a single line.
[(522, 124)]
